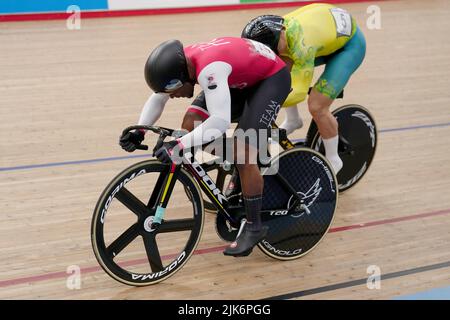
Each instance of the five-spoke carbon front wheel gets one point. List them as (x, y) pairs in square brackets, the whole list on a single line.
[(126, 245)]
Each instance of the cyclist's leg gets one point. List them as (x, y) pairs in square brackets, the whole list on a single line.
[(196, 113), (338, 70), (293, 121), (261, 110)]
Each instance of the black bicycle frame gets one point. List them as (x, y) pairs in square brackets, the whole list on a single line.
[(166, 183), (215, 194), (208, 186)]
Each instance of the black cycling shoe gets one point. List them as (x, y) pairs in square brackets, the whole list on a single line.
[(243, 245)]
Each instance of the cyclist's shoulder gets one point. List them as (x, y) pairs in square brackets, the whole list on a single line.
[(298, 48), (313, 15), (310, 10)]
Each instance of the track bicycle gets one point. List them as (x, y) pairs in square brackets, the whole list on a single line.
[(149, 219)]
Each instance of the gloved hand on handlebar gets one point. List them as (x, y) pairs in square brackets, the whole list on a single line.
[(169, 152), (131, 140)]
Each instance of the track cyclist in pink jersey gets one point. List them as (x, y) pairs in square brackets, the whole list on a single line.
[(242, 81)]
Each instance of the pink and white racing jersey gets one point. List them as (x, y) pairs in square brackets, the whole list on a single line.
[(250, 61)]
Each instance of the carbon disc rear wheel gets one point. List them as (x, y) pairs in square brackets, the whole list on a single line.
[(293, 233), (357, 146)]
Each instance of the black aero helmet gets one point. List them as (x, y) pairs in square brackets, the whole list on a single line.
[(265, 29), (166, 67)]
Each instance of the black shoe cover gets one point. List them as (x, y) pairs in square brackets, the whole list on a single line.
[(244, 244)]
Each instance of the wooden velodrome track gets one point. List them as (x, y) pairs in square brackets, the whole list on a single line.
[(66, 95)]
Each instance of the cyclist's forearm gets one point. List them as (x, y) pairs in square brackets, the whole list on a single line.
[(211, 129), (153, 109)]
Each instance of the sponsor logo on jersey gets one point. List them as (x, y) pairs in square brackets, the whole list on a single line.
[(211, 82)]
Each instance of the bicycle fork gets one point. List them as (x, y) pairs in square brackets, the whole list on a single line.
[(167, 183)]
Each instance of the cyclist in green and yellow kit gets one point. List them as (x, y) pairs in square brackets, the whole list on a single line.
[(313, 35)]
